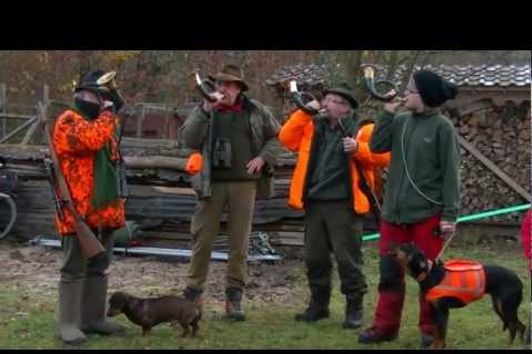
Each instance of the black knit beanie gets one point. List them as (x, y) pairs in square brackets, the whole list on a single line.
[(434, 90)]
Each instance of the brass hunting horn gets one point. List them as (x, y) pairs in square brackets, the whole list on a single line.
[(205, 87), (298, 98), (369, 80)]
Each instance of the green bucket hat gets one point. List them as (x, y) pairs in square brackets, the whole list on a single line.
[(343, 89)]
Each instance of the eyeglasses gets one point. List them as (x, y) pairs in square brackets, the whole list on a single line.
[(335, 101)]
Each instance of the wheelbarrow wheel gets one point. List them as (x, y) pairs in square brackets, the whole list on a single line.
[(11, 216)]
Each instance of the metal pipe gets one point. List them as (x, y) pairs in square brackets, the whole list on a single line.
[(472, 217), (157, 251)]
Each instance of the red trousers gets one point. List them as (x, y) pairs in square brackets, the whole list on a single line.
[(392, 284)]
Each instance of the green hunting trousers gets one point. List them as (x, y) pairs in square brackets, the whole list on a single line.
[(239, 197), (332, 226), (74, 266)]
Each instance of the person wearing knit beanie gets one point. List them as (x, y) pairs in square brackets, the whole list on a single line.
[(422, 197), (434, 91)]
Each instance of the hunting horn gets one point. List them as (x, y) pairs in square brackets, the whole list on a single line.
[(205, 88), (369, 79), (297, 97)]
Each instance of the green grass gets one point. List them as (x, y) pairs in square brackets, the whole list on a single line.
[(29, 321)]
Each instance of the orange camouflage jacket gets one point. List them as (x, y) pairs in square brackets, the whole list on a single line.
[(75, 141)]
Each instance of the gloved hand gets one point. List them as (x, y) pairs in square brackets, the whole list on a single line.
[(108, 105), (447, 229), (117, 99)]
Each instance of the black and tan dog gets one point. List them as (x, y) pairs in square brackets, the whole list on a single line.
[(459, 282), (151, 312)]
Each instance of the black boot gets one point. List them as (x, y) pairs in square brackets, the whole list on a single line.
[(233, 304), (353, 311), (318, 307), (426, 340), (527, 337)]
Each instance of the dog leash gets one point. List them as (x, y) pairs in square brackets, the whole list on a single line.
[(445, 246)]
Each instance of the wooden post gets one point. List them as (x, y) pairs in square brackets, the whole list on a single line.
[(3, 107), (46, 105), (167, 125), (139, 122), (33, 128)]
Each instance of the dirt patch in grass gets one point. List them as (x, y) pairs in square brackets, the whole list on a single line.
[(35, 270)]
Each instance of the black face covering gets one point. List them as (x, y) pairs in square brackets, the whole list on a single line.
[(90, 109)]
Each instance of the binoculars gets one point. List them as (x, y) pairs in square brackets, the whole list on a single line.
[(221, 154)]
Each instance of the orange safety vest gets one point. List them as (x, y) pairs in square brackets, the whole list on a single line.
[(464, 280), (296, 135)]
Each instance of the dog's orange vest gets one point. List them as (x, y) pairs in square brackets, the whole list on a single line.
[(463, 279)]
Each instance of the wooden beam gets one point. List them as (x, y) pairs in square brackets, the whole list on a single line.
[(140, 120), (474, 106), (3, 107), (41, 112), (493, 168), (18, 129), (16, 116), (29, 133), (172, 163)]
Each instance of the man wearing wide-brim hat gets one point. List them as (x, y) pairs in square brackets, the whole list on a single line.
[(238, 139), (230, 73), (326, 184)]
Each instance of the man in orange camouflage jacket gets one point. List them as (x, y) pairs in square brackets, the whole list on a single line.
[(85, 143)]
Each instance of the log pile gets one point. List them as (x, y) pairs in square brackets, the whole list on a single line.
[(504, 138), (162, 202), (161, 199)]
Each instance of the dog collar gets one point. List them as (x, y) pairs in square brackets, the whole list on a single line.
[(421, 276)]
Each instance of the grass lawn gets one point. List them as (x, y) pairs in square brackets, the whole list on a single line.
[(28, 319)]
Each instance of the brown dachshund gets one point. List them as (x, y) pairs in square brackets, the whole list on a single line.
[(150, 312)]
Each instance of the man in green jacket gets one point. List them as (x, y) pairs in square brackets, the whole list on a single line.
[(422, 194), (237, 136)]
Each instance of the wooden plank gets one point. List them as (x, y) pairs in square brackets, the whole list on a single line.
[(493, 168), (165, 235), (153, 162), (140, 120), (29, 133), (3, 107), (19, 129), (16, 116), (474, 106), (149, 190)]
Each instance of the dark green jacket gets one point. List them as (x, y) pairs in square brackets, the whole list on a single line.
[(196, 133), (433, 160)]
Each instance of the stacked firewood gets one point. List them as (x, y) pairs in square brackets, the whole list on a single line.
[(162, 202), (504, 139), (160, 199)]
